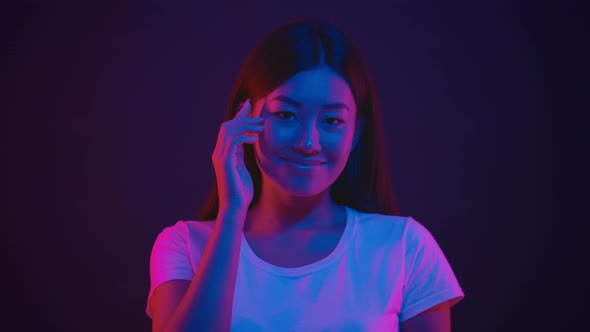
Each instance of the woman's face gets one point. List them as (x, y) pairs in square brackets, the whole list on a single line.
[(309, 119)]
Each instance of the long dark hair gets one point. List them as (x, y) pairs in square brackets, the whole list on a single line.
[(304, 44)]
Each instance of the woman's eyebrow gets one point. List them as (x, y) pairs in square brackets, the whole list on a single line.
[(297, 104)]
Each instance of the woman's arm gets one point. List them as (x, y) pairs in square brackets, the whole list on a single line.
[(435, 319), (205, 303)]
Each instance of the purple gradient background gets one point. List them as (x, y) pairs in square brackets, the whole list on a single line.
[(127, 101)]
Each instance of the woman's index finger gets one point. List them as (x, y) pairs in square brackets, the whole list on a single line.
[(244, 110)]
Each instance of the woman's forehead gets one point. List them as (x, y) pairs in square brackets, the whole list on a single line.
[(317, 86)]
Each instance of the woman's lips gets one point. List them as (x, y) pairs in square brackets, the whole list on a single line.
[(304, 164)]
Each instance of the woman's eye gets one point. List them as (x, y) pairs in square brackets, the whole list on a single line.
[(283, 113), (338, 120), (289, 115)]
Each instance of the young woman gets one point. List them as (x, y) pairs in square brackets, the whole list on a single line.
[(301, 232)]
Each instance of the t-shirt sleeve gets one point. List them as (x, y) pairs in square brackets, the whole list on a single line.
[(429, 279), (169, 259)]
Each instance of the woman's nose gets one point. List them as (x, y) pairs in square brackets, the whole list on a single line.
[(308, 139)]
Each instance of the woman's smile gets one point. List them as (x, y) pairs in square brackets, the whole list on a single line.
[(304, 166)]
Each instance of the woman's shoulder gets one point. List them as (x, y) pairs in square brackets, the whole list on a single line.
[(378, 227), (395, 225), (186, 229), (378, 220)]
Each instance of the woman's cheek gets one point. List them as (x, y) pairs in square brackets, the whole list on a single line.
[(271, 132)]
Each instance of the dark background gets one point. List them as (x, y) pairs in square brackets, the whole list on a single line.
[(122, 103)]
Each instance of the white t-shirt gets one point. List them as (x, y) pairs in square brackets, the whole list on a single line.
[(384, 270)]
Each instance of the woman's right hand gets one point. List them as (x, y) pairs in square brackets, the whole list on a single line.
[(234, 182)]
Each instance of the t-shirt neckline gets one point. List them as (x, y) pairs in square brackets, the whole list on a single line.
[(347, 234)]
